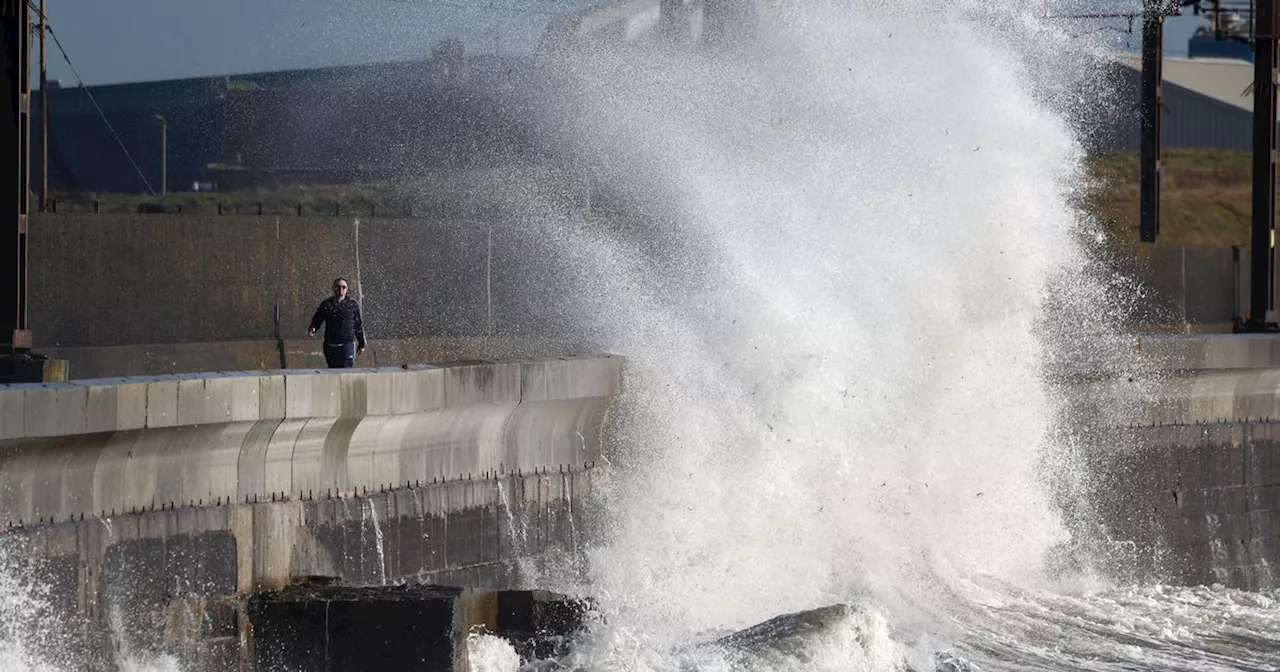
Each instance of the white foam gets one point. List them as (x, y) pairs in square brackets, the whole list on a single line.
[(489, 653), (834, 331)]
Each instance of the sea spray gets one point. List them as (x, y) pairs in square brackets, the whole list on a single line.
[(827, 255)]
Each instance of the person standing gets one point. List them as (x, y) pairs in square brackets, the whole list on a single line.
[(343, 330)]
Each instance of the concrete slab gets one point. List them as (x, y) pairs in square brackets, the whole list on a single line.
[(219, 397), (353, 393), (101, 411), (482, 384), (162, 403), (12, 412), (379, 399), (272, 397), (297, 387), (244, 397), (308, 456), (131, 405), (40, 411), (193, 403), (278, 468)]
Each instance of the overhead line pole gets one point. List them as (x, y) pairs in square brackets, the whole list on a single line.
[(1152, 120), (44, 113), (1262, 238), (15, 24)]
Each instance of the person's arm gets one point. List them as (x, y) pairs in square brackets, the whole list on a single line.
[(359, 324), (316, 320)]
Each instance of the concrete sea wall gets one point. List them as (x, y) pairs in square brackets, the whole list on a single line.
[(118, 361), (94, 447), (153, 509), (111, 280), (181, 581), (1185, 474), (237, 289)]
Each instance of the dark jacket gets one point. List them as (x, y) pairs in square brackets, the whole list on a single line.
[(341, 321)]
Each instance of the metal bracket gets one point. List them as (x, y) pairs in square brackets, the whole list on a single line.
[(22, 224), (21, 339)]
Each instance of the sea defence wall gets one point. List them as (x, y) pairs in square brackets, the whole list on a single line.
[(115, 280), (154, 509), (149, 294), (1186, 475), (119, 361)]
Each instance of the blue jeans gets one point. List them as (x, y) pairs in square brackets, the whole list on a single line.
[(340, 355)]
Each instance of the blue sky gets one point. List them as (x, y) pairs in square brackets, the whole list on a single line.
[(131, 40)]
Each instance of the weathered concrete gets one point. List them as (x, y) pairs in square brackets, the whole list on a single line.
[(135, 280), (1197, 504), (119, 361), (99, 447), (1208, 352), (107, 280), (1185, 460), (156, 506), (172, 581), (318, 627), (1192, 288)]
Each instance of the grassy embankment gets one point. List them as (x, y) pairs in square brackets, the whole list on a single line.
[(1206, 198), (311, 199)]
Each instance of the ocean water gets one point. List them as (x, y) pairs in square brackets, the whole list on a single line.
[(851, 263)]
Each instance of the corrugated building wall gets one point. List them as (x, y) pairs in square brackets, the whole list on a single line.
[(1207, 105)]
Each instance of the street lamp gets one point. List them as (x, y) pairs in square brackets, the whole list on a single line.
[(164, 156)]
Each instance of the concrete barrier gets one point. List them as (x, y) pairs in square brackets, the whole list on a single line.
[(1208, 351), (119, 361), (183, 581), (102, 447), (158, 509), (1184, 460), (109, 280)]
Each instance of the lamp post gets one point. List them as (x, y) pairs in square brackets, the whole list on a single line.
[(164, 156)]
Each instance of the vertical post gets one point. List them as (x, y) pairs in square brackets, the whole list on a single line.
[(164, 156), (1152, 119), (488, 279), (1261, 298), (15, 24), (44, 114), (669, 18)]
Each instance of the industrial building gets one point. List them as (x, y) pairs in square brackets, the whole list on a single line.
[(325, 125), (338, 124), (1208, 103), (452, 110)]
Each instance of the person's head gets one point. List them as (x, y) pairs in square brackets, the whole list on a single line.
[(340, 287)]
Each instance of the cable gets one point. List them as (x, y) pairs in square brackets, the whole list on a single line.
[(49, 30), (481, 6)]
